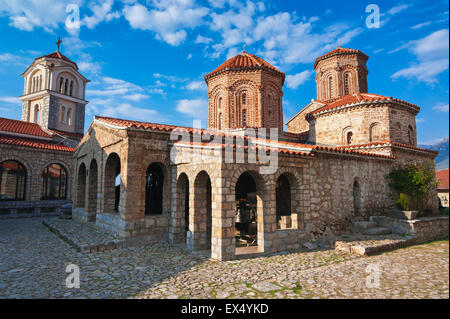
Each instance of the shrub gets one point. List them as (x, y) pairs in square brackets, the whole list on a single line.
[(412, 184)]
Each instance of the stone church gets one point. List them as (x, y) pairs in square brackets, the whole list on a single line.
[(208, 191), (221, 188), (36, 153)]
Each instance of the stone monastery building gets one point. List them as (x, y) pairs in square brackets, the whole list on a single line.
[(219, 188)]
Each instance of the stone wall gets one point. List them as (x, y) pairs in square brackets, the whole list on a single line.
[(35, 163)]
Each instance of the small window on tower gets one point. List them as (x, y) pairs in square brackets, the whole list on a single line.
[(330, 87), (63, 111), (244, 98), (349, 138), (61, 87), (346, 84), (244, 118)]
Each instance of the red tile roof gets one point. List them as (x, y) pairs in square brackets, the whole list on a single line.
[(56, 55), (29, 142), (358, 98), (442, 179), (22, 127), (244, 61), (337, 51), (386, 143)]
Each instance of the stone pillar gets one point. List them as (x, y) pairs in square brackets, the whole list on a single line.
[(267, 219), (223, 245)]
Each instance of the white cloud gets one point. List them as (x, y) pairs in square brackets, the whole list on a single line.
[(421, 25), (189, 56), (441, 107), (294, 81), (10, 99), (101, 11), (196, 108), (196, 85), (202, 39), (136, 97), (432, 57), (398, 9), (127, 111), (168, 18)]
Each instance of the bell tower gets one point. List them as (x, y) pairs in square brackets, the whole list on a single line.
[(54, 93), (341, 72)]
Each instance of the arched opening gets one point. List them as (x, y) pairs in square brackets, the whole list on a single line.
[(63, 113), (220, 121), (154, 184), (13, 177), (61, 86), (36, 113), (283, 202), (349, 138), (71, 88), (183, 202), (69, 116), (356, 198), (93, 187), (244, 118), (81, 186), (202, 214), (330, 87), (410, 135), (66, 86), (111, 193), (246, 198), (54, 182), (375, 132), (244, 99)]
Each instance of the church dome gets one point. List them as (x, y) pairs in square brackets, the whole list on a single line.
[(244, 61), (339, 51)]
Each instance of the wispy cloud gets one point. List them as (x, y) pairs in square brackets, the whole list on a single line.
[(294, 81), (432, 57), (441, 107)]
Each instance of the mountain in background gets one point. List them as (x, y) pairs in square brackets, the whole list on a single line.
[(442, 159)]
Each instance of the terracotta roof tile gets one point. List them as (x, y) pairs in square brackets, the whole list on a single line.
[(77, 135), (22, 127), (56, 55), (350, 152), (29, 142), (442, 179), (357, 98), (339, 50), (246, 61), (386, 143)]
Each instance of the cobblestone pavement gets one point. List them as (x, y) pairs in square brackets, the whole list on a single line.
[(33, 261)]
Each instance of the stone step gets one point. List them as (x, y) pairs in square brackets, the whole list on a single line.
[(361, 226), (377, 231)]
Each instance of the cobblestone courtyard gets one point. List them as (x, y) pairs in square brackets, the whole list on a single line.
[(33, 262)]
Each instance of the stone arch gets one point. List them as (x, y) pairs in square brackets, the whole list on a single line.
[(347, 135), (296, 203), (81, 186), (259, 206), (36, 110), (111, 185), (239, 87), (55, 178), (93, 187), (399, 132), (13, 180), (219, 91), (64, 78), (200, 219), (411, 135), (375, 132)]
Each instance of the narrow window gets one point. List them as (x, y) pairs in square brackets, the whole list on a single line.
[(349, 138), (69, 116), (346, 84), (61, 89), (330, 87), (220, 121), (71, 88), (66, 86), (244, 118), (63, 111), (244, 98)]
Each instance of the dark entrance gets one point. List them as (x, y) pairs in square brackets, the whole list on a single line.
[(154, 190), (246, 211)]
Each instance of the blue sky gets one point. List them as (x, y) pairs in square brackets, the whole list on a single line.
[(146, 59)]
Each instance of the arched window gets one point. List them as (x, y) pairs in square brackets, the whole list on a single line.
[(63, 113), (244, 99), (349, 138), (40, 82), (36, 113), (66, 86), (71, 88), (154, 190), (347, 84), (410, 135), (13, 177), (69, 116), (244, 118), (220, 121), (61, 87), (220, 102), (111, 184), (283, 199), (330, 87), (54, 184), (375, 132)]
